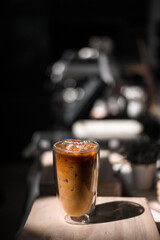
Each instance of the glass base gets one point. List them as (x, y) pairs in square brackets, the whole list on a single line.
[(77, 220)]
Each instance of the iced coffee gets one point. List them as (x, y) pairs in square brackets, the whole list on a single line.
[(77, 175)]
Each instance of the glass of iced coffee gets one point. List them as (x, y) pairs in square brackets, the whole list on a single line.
[(77, 176)]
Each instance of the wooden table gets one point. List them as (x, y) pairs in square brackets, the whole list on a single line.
[(116, 218)]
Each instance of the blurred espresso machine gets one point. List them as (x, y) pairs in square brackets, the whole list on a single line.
[(90, 83)]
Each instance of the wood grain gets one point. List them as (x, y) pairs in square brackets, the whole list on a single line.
[(46, 221)]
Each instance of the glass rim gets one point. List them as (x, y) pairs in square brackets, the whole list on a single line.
[(56, 147)]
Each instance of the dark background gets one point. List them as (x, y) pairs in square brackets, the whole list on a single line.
[(34, 34)]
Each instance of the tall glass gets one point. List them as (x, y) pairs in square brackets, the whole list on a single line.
[(77, 176)]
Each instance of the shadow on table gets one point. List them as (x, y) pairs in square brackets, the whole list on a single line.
[(115, 211)]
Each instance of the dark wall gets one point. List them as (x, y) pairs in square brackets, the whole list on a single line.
[(34, 34), (25, 47)]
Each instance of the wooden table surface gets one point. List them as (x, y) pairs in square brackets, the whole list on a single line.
[(116, 218)]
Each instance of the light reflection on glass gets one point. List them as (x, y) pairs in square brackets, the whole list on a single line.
[(88, 53), (71, 95), (57, 71)]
